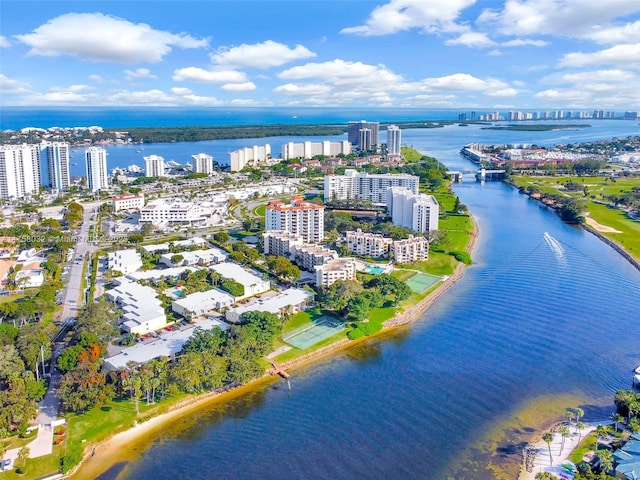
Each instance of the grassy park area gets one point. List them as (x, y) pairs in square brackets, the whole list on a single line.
[(601, 196)]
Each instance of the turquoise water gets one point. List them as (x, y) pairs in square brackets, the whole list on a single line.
[(525, 323), (178, 293), (375, 270)]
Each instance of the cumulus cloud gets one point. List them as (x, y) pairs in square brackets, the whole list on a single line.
[(472, 39), (341, 72), (9, 85), (260, 55), (196, 74), (104, 38), (620, 55), (308, 89), (96, 78), (555, 17), (239, 87), (430, 16), (463, 82), (181, 91), (518, 42), (71, 88), (138, 73), (4, 43), (627, 33)]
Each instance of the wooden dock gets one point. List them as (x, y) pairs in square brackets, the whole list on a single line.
[(278, 370)]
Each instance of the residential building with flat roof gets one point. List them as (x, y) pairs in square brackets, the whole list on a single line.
[(167, 345), (289, 301), (142, 310), (154, 166), (19, 171), (96, 163), (165, 247), (372, 136), (419, 212), (251, 281), (128, 201), (366, 186), (195, 257), (252, 156), (203, 163), (308, 150), (308, 256), (367, 244), (54, 165), (162, 212), (338, 269), (124, 261), (280, 243), (199, 303), (299, 217), (394, 140), (410, 250)]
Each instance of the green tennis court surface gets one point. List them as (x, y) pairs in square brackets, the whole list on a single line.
[(313, 332), (421, 282)]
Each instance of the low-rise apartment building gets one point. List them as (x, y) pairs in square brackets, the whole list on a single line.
[(200, 303), (141, 307), (171, 213), (308, 256), (128, 201), (194, 257), (410, 250), (280, 243), (368, 244), (338, 269), (252, 282), (124, 261), (289, 301)]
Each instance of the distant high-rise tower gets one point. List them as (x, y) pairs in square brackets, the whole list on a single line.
[(54, 165), (154, 166), (19, 170), (364, 140), (96, 159), (394, 140), (353, 133), (202, 163)]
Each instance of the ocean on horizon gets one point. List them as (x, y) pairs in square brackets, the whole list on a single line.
[(15, 118)]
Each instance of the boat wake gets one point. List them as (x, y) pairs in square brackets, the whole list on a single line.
[(555, 247)]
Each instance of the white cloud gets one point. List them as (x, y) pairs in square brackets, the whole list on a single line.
[(625, 56), (430, 16), (555, 17), (196, 74), (494, 53), (562, 96), (181, 91), (260, 55), (4, 43), (518, 42), (103, 38), (96, 78), (342, 73), (308, 89), (472, 39), (138, 73), (462, 82), (502, 93), (71, 88), (627, 33), (9, 85), (430, 101), (239, 87)]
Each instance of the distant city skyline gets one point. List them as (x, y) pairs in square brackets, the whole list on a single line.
[(467, 54)]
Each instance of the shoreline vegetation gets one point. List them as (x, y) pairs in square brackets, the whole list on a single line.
[(536, 128), (111, 452)]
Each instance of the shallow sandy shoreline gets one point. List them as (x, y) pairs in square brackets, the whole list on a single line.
[(102, 456)]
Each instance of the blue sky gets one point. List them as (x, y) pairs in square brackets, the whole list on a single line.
[(393, 53)]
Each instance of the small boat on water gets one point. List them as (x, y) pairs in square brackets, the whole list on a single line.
[(636, 376)]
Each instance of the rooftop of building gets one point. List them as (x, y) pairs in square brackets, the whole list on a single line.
[(236, 272)]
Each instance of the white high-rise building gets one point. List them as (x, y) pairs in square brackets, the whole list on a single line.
[(255, 155), (365, 186), (309, 150), (300, 218), (394, 140), (54, 165), (154, 166), (202, 163), (354, 134), (96, 159), (418, 212), (19, 170)]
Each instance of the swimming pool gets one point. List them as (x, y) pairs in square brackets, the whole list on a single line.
[(375, 270), (178, 293)]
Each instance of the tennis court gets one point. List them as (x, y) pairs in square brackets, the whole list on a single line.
[(421, 282), (313, 332)]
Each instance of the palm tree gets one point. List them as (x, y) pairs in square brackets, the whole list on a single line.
[(606, 460), (570, 416), (617, 418), (579, 413), (579, 427), (23, 454), (564, 431), (548, 438), (600, 432)]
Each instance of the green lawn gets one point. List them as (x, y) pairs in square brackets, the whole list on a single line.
[(38, 467), (629, 236), (411, 154), (10, 298), (458, 229), (437, 264), (586, 445), (259, 211)]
